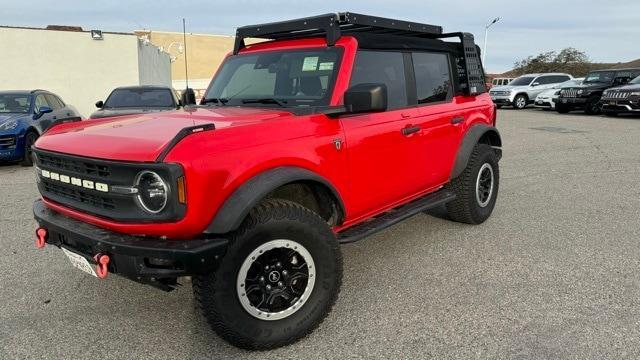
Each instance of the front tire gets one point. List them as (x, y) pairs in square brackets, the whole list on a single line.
[(29, 139), (476, 188), (592, 107), (520, 102), (278, 280), (562, 109)]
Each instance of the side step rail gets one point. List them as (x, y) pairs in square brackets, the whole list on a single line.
[(394, 216)]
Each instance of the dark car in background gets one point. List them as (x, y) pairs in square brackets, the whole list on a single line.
[(622, 99), (129, 100), (24, 116), (588, 95)]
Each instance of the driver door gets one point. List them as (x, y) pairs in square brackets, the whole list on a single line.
[(46, 120)]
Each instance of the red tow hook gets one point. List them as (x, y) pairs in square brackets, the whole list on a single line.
[(41, 237), (102, 269)]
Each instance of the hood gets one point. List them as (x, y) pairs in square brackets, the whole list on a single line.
[(628, 87), (119, 112), (590, 86), (549, 92), (142, 137), (508, 87)]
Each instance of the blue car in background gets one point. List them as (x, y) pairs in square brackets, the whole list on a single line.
[(25, 115)]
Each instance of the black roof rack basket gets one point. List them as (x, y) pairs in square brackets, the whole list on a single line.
[(333, 26)]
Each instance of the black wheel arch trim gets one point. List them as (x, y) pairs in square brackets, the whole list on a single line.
[(471, 138), (237, 206)]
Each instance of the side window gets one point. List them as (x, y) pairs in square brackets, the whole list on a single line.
[(382, 67), (53, 102), (545, 80), (40, 102), (433, 77)]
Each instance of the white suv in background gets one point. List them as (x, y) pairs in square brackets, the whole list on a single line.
[(546, 99), (524, 89)]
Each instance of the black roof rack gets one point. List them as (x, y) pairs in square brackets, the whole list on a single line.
[(333, 26)]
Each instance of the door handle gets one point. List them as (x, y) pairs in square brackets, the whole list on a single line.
[(410, 130), (457, 120), (405, 115)]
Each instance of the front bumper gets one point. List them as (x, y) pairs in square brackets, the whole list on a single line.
[(620, 106), (573, 102), (501, 100), (544, 103), (154, 261), (11, 147)]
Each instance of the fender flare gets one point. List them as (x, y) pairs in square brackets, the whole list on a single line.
[(236, 207), (471, 138)]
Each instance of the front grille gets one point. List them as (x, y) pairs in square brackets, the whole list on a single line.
[(7, 141), (499, 93), (617, 95), (569, 93), (79, 196), (76, 166)]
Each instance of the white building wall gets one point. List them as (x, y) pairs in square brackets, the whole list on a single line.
[(154, 65), (73, 65)]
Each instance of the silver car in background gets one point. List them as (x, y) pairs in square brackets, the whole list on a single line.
[(546, 99), (523, 90)]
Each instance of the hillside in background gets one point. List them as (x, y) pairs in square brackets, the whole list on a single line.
[(583, 69)]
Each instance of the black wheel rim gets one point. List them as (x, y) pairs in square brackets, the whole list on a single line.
[(484, 185), (276, 279)]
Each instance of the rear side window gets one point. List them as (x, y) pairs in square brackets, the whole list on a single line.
[(382, 67), (433, 77), (40, 102)]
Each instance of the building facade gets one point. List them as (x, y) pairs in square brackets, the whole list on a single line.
[(76, 66)]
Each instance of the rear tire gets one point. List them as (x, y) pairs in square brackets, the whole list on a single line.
[(611, 114), (520, 102), (476, 188), (252, 307), (29, 139)]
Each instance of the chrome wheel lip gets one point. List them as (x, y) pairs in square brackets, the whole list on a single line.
[(246, 265), (483, 168)]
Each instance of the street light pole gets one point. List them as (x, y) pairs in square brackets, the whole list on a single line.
[(486, 35)]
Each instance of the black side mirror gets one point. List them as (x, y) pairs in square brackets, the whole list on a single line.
[(100, 104), (366, 98), (41, 111), (188, 97)]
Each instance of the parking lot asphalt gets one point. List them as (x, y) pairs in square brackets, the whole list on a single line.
[(554, 273)]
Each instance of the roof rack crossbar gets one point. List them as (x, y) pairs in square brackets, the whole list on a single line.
[(332, 26)]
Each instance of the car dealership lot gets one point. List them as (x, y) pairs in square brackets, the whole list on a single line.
[(552, 274)]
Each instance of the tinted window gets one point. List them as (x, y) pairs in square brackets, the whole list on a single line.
[(14, 103), (433, 77), (40, 102), (382, 67), (140, 97), (53, 101), (301, 78), (544, 80), (524, 80), (599, 77)]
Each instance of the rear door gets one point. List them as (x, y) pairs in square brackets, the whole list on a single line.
[(439, 118), (384, 164)]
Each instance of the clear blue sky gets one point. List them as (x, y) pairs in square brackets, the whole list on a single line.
[(608, 31)]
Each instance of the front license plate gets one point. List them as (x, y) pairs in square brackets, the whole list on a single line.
[(80, 262), (612, 103), (564, 101)]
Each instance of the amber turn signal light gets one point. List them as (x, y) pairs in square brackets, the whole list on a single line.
[(182, 191)]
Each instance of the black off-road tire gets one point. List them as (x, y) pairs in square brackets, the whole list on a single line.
[(520, 101), (217, 296), (611, 114), (465, 208), (562, 109), (29, 139), (592, 107)]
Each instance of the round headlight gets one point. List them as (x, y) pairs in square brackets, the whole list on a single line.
[(152, 191), (580, 92)]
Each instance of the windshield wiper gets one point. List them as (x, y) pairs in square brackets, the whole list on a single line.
[(281, 103), (221, 101)]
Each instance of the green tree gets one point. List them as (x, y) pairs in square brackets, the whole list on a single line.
[(569, 60)]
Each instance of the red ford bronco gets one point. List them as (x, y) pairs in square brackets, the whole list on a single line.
[(337, 127)]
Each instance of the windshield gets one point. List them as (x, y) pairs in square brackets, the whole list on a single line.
[(276, 78), (599, 77), (140, 98), (15, 103), (523, 80), (635, 81)]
